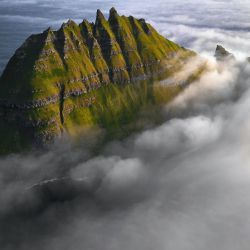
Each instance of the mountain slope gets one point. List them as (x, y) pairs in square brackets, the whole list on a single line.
[(59, 80)]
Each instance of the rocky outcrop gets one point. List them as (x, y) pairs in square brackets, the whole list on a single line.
[(221, 54)]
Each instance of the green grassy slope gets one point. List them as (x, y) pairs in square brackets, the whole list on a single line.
[(83, 76)]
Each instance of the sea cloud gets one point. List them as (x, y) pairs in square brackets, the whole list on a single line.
[(181, 185)]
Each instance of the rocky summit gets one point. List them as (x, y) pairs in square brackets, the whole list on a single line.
[(221, 54), (82, 76)]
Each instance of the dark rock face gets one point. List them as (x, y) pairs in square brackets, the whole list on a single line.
[(221, 54)]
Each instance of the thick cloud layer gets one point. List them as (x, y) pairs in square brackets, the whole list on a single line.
[(181, 185)]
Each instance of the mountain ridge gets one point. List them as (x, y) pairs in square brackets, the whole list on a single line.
[(54, 80)]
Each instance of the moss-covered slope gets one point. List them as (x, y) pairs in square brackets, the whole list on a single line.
[(59, 80)]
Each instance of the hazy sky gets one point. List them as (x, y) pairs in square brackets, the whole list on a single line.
[(183, 185)]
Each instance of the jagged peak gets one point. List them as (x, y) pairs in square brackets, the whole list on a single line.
[(86, 22), (142, 20), (99, 16), (145, 26), (86, 26), (221, 48), (113, 17), (86, 30), (48, 35), (137, 26), (222, 54), (69, 23), (101, 27), (133, 20), (113, 13), (48, 30)]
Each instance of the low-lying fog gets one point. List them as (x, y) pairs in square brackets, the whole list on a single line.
[(182, 185)]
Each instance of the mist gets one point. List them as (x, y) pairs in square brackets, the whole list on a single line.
[(183, 184)]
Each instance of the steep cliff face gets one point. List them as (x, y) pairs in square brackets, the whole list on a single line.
[(60, 79)]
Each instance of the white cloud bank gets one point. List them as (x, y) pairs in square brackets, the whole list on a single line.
[(182, 185)]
